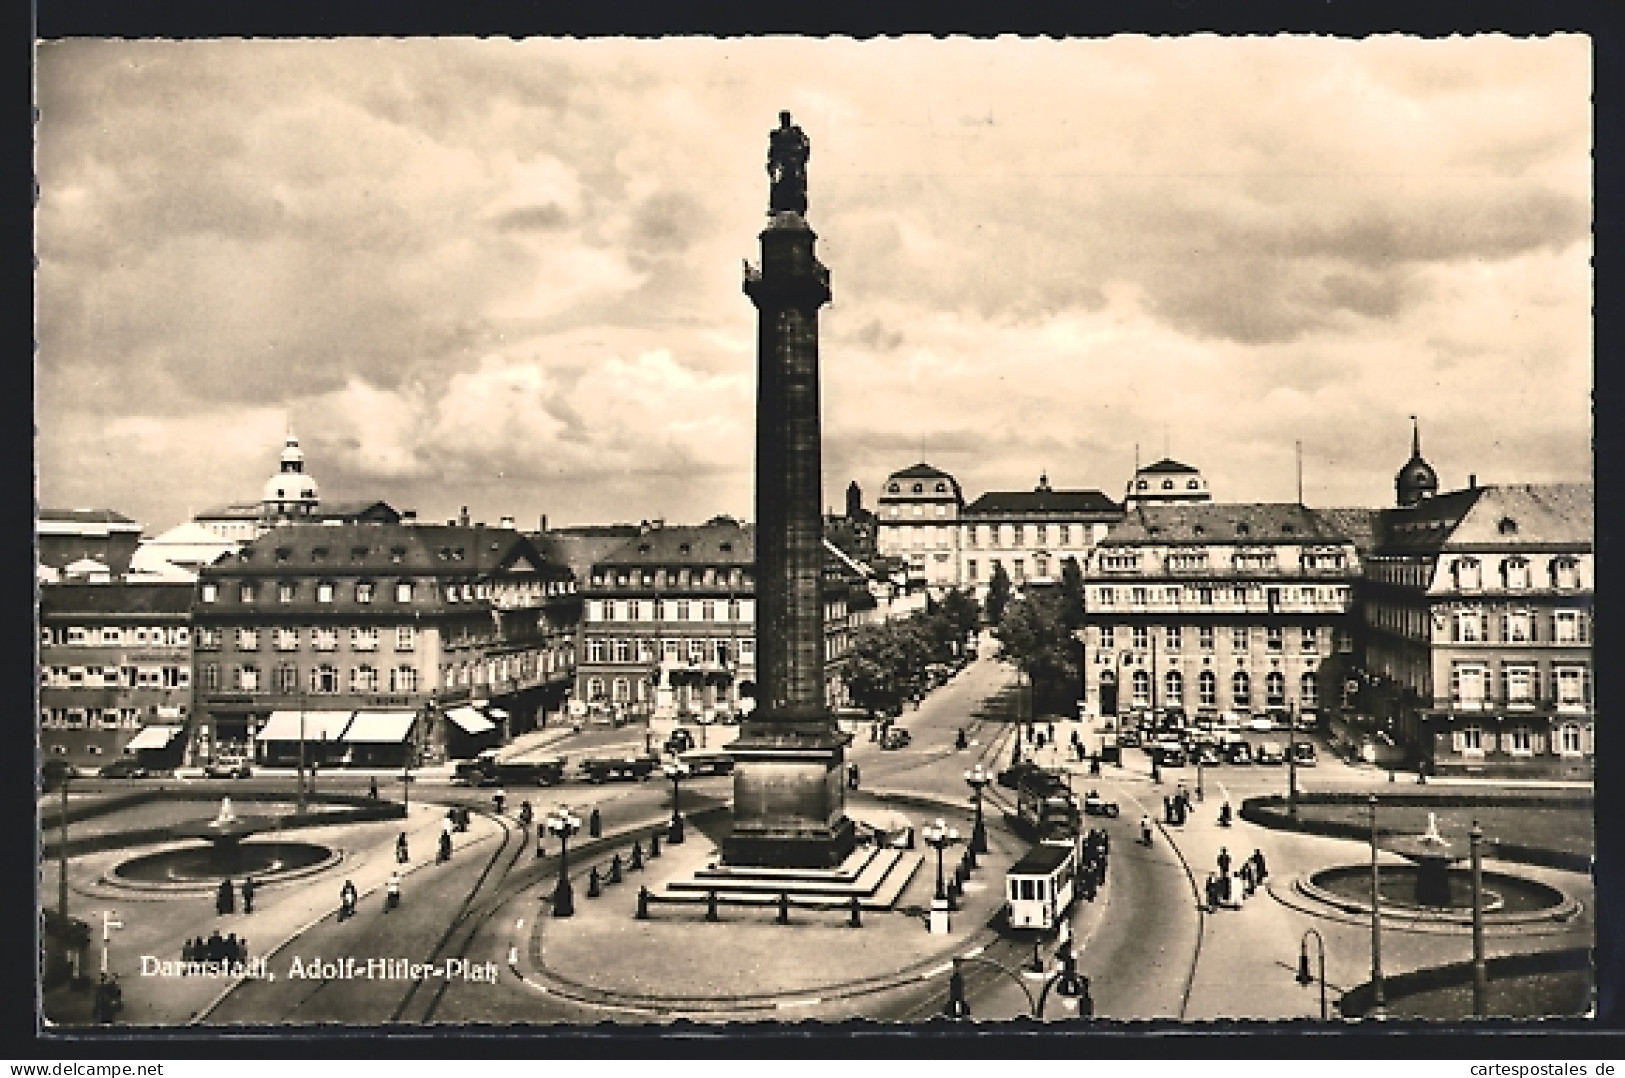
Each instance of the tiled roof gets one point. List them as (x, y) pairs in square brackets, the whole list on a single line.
[(1360, 525), (1508, 517), (921, 470), (1209, 522), (83, 516), (395, 549), (1168, 466), (699, 544), (1076, 503), (64, 600)]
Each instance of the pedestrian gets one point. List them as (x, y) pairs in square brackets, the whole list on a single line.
[(392, 891), (1224, 861), (595, 824), (1225, 889), (1145, 830), (1249, 882), (213, 947), (401, 854), (1211, 889), (225, 900), (372, 787), (1259, 868), (499, 799), (347, 900), (229, 952), (248, 895), (1168, 810), (1224, 815), (444, 853), (450, 822)]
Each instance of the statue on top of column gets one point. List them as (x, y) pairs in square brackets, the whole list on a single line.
[(787, 153)]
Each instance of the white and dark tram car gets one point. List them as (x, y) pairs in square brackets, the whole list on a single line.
[(1040, 887)]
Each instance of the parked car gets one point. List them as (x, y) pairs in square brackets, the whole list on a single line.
[(1209, 755), (1260, 724), (123, 769), (53, 773), (896, 738), (1304, 753), (1170, 754), (1239, 752), (1129, 739), (1269, 753), (681, 740), (227, 768)]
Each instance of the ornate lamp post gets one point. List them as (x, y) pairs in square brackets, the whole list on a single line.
[(1066, 982), (1378, 1003), (1304, 976), (978, 778), (677, 771), (939, 836), (563, 824), (1292, 762)]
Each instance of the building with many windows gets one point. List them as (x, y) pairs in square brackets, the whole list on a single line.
[(669, 625), (369, 633), (1203, 609), (1031, 534), (115, 664), (1166, 482), (1478, 607), (917, 521), (290, 496)]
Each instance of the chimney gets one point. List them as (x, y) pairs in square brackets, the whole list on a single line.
[(544, 522), (409, 516), (1472, 481), (505, 522)]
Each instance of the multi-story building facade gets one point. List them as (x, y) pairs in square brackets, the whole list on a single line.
[(374, 630), (917, 521), (669, 625), (1478, 606), (115, 665), (70, 536), (1030, 534), (1207, 608)]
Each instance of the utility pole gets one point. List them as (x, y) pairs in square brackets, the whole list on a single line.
[(1481, 988), (300, 808), (1378, 1003), (62, 859)]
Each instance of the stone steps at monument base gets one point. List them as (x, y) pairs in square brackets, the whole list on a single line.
[(848, 871), (877, 888)]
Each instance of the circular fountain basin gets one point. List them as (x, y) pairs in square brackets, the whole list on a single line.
[(205, 866), (1507, 898)]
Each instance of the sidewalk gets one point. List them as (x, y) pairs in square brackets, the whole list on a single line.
[(157, 926)]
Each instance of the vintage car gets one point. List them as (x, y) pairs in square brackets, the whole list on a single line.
[(1269, 753), (895, 738), (123, 769)]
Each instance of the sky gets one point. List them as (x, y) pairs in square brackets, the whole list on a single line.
[(506, 274)]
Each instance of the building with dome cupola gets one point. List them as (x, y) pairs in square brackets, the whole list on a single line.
[(1167, 482), (1417, 479), (918, 510), (291, 496)]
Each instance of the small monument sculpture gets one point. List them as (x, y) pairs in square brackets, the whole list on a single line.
[(1430, 853)]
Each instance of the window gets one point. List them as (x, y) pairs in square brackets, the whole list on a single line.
[(324, 679), (1019, 565), (1138, 596), (1175, 637), (1310, 639), (248, 639), (245, 594), (1107, 638), (248, 678), (1520, 684), (403, 679), (1519, 741), (1066, 534), (208, 675), (1469, 686), (1515, 628), (209, 592), (208, 639), (1273, 638), (364, 679), (747, 651), (595, 650), (1238, 638), (1565, 573), (1573, 686), (1467, 574), (1568, 739), (405, 637), (324, 639), (1108, 596), (722, 653), (623, 651), (1241, 691), (1142, 688), (696, 651), (284, 593), (1309, 690), (324, 593), (673, 650), (1142, 637), (287, 678), (682, 610), (1173, 686), (364, 639), (363, 592), (1568, 627), (1471, 739), (403, 592), (1274, 689), (286, 639), (708, 611), (970, 570), (1515, 573), (621, 690), (1468, 626), (646, 650), (1204, 637)]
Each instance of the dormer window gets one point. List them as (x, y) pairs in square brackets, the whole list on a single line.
[(1467, 574), (397, 554), (283, 553), (1192, 484), (1508, 526), (1287, 529), (358, 553), (1243, 529), (892, 488), (1167, 484), (1196, 529), (318, 554), (726, 547), (1141, 485), (643, 548), (942, 488), (683, 548), (919, 488), (245, 555)]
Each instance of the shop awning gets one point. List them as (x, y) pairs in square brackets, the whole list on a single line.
[(157, 736), (469, 720), (496, 713), (380, 727), (318, 725)]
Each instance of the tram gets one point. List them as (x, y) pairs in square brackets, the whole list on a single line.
[(1046, 807), (1040, 887)]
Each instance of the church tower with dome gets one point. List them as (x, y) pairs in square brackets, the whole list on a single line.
[(290, 495), (1417, 479)]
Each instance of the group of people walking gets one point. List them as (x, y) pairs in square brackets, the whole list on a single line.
[(1176, 807), (1222, 887), (215, 949)]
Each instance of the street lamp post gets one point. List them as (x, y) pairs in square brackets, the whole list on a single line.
[(1480, 973), (109, 922), (301, 784), (1066, 982), (1378, 1003), (940, 836), (563, 824), (677, 771), (978, 778), (1292, 762), (62, 858), (1304, 976)]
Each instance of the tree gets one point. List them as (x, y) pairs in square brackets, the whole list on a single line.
[(1072, 594), (998, 594), (1035, 636), (963, 615)]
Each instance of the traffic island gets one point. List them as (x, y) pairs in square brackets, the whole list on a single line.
[(770, 947)]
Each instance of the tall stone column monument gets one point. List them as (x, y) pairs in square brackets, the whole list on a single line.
[(789, 789)]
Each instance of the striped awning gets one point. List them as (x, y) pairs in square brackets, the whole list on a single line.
[(157, 736), (469, 720), (318, 725), (380, 727)]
